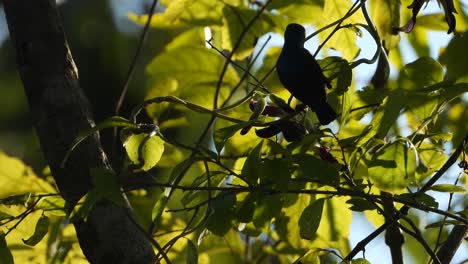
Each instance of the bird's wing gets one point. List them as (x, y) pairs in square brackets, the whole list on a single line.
[(313, 64)]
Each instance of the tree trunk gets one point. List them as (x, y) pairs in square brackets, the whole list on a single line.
[(59, 111)]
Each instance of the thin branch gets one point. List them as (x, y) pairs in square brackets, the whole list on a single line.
[(234, 49), (404, 210), (350, 12), (131, 70), (419, 237)]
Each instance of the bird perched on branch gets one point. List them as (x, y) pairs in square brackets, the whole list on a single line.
[(300, 73)]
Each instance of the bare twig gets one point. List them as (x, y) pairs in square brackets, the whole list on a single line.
[(234, 49), (132, 67)]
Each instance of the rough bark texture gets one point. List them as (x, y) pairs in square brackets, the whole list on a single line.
[(59, 111)]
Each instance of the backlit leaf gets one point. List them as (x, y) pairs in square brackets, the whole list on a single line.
[(42, 227), (144, 151), (393, 166), (310, 219)]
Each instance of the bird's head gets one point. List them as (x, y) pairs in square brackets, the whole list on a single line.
[(294, 34)]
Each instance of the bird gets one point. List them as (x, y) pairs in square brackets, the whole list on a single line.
[(301, 75)]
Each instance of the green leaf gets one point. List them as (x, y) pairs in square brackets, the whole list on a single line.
[(105, 184), (386, 17), (343, 40), (235, 20), (310, 257), (359, 261), (267, 208), (298, 12), (20, 199), (114, 121), (246, 209), (335, 225), (144, 150), (194, 69), (384, 118), (4, 216), (14, 173), (388, 113), (163, 198), (393, 166), (251, 168), (287, 224), (360, 205), (430, 157), (455, 58), (436, 21), (222, 135), (192, 253), (311, 167), (84, 206), (5, 253), (310, 219), (53, 205), (338, 68), (443, 223), (275, 171), (420, 73), (421, 198), (179, 13), (450, 188), (42, 227), (219, 221)]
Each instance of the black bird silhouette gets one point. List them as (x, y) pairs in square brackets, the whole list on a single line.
[(300, 73)]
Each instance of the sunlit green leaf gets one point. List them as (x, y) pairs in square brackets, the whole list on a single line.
[(180, 13), (432, 158), (310, 219), (311, 167), (436, 21), (196, 71), (163, 198), (84, 206), (54, 205), (386, 17), (335, 225), (421, 73), (144, 151), (13, 176), (393, 166), (42, 227), (339, 69), (447, 188), (343, 40), (311, 257), (442, 223), (359, 261), (299, 11), (287, 224), (4, 216), (222, 135), (235, 22)]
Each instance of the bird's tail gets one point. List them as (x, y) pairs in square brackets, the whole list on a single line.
[(325, 113)]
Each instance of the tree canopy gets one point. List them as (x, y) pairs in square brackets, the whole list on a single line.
[(219, 164)]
